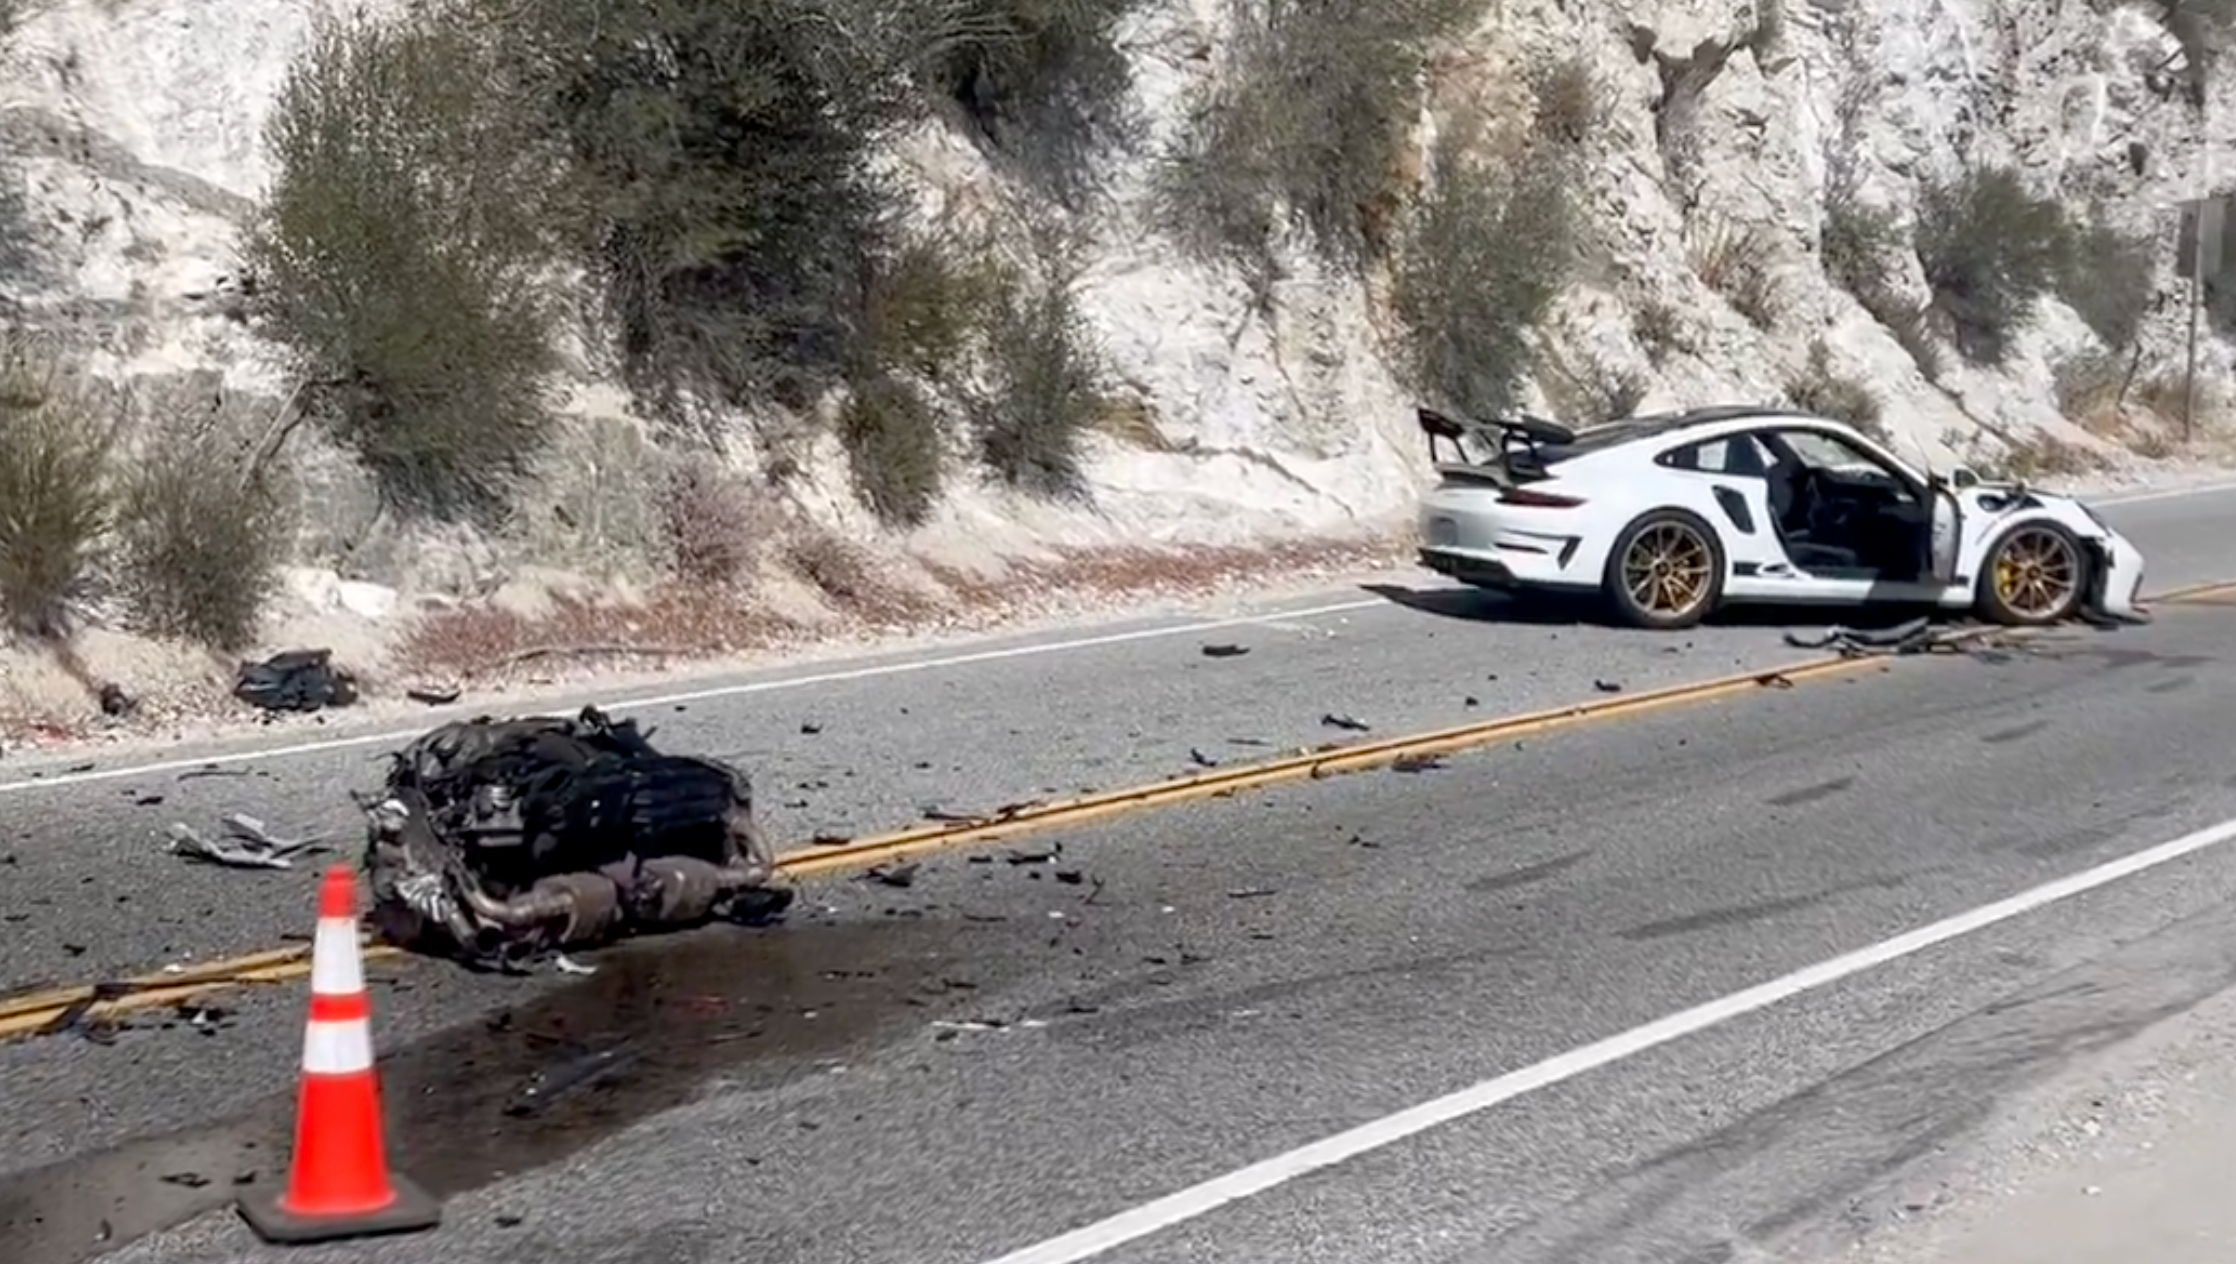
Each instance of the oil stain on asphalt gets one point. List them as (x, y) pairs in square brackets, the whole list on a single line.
[(532, 1085)]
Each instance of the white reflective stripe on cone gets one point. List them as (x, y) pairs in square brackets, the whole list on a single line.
[(337, 1048), (336, 969)]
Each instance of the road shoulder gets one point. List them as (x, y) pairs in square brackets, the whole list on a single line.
[(2126, 1156)]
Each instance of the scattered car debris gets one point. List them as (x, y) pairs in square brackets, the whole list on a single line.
[(1225, 651), (295, 680), (1201, 760), (1417, 763), (1034, 857), (1608, 686), (434, 695), (496, 842), (811, 729), (1006, 812), (1335, 721), (900, 875), (1915, 636), (1251, 893), (246, 844), (116, 703)]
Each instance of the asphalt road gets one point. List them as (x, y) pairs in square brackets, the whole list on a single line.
[(869, 745), (1223, 982)]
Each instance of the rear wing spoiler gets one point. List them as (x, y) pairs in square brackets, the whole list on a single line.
[(1521, 429)]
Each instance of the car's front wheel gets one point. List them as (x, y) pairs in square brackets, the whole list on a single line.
[(1665, 572), (2036, 574)]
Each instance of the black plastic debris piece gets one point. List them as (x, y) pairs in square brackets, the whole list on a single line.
[(1225, 651), (1471, 701), (507, 1220), (1033, 857), (1774, 680), (1335, 721), (433, 695), (827, 839), (1070, 877), (295, 680), (1913, 637), (115, 702), (1250, 893), (1608, 686), (1201, 760), (1417, 763), (187, 1180)]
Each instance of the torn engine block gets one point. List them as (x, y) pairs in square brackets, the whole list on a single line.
[(496, 841)]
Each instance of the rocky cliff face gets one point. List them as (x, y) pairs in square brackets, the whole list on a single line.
[(1728, 128)]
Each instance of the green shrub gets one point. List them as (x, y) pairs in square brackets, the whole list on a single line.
[(202, 535), (895, 448), (56, 496), (1743, 263), (397, 252), (722, 179), (1570, 104), (1858, 245), (1044, 79), (1660, 330), (1044, 391), (2110, 280), (1305, 130), (1489, 251), (1990, 249), (1818, 389)]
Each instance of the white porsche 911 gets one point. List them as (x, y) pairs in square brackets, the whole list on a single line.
[(1668, 517)]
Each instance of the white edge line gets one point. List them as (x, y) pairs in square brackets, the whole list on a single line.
[(1173, 1209), (701, 695)]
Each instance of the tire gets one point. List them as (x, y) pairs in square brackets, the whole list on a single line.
[(1673, 538), (2035, 574)]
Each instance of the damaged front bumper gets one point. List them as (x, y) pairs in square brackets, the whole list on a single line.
[(498, 841)]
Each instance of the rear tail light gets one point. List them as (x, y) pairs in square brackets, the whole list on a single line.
[(1537, 500)]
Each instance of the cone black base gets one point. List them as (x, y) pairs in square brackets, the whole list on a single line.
[(413, 1210)]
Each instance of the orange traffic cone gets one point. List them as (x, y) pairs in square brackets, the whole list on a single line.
[(340, 1186)]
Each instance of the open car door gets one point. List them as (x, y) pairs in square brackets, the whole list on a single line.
[(1945, 534)]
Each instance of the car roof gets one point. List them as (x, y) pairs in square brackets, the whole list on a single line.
[(1715, 418)]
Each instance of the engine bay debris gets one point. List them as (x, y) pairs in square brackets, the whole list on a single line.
[(502, 842)]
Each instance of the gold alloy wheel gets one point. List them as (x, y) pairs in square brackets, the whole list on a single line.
[(2036, 572), (1667, 569)]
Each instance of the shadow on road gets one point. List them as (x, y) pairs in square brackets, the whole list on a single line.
[(1478, 605)]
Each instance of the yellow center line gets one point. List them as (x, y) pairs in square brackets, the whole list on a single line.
[(28, 1013)]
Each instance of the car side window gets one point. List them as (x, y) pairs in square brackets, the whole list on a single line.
[(1822, 451), (1736, 455)]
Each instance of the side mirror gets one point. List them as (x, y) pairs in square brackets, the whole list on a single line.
[(1962, 477)]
